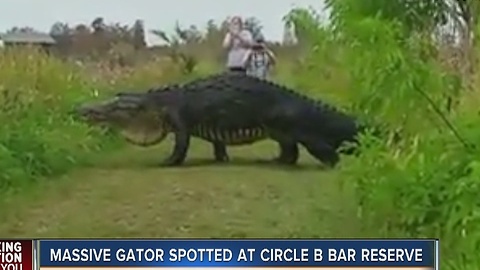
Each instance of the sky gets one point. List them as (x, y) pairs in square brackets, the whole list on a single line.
[(156, 14)]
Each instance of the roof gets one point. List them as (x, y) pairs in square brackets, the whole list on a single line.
[(27, 37)]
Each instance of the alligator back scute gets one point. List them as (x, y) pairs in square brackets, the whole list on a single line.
[(316, 104)]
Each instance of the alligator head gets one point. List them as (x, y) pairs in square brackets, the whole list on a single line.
[(132, 114)]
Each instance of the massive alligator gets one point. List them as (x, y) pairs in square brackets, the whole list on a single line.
[(227, 109)]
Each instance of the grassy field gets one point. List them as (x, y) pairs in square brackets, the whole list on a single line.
[(126, 195)]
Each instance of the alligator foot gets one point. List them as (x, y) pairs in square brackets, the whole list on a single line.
[(322, 151), (222, 159), (288, 154), (284, 160), (171, 162), (220, 152)]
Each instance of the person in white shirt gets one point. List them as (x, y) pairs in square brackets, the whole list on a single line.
[(259, 59), (238, 41)]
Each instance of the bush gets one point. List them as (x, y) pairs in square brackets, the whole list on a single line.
[(38, 136), (426, 182)]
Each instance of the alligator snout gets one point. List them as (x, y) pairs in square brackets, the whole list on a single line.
[(88, 112)]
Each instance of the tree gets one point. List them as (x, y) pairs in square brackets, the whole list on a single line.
[(81, 39), (102, 39), (139, 35), (62, 34), (194, 35), (254, 25), (59, 29), (189, 35), (302, 24), (98, 25), (162, 35), (289, 36), (212, 27), (415, 16), (25, 29), (175, 48), (465, 14)]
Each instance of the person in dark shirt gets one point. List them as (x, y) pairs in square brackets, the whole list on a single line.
[(259, 59)]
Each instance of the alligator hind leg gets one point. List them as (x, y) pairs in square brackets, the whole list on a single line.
[(288, 149), (220, 152), (321, 151), (288, 153)]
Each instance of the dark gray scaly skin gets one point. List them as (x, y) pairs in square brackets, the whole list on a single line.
[(229, 109)]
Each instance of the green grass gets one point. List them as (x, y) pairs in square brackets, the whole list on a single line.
[(126, 195)]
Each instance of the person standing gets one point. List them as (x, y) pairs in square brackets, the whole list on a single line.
[(259, 59), (238, 41)]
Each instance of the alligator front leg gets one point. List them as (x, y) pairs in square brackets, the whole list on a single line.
[(179, 153), (182, 142), (321, 150), (220, 152)]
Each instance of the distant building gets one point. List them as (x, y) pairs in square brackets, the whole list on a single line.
[(42, 40)]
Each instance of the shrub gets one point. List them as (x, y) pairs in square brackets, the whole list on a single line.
[(38, 136), (425, 183)]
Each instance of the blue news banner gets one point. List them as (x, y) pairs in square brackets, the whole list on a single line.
[(239, 253)]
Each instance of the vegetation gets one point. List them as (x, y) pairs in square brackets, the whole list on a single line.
[(423, 179), (38, 137), (377, 59)]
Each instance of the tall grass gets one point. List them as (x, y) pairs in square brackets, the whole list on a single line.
[(38, 136)]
